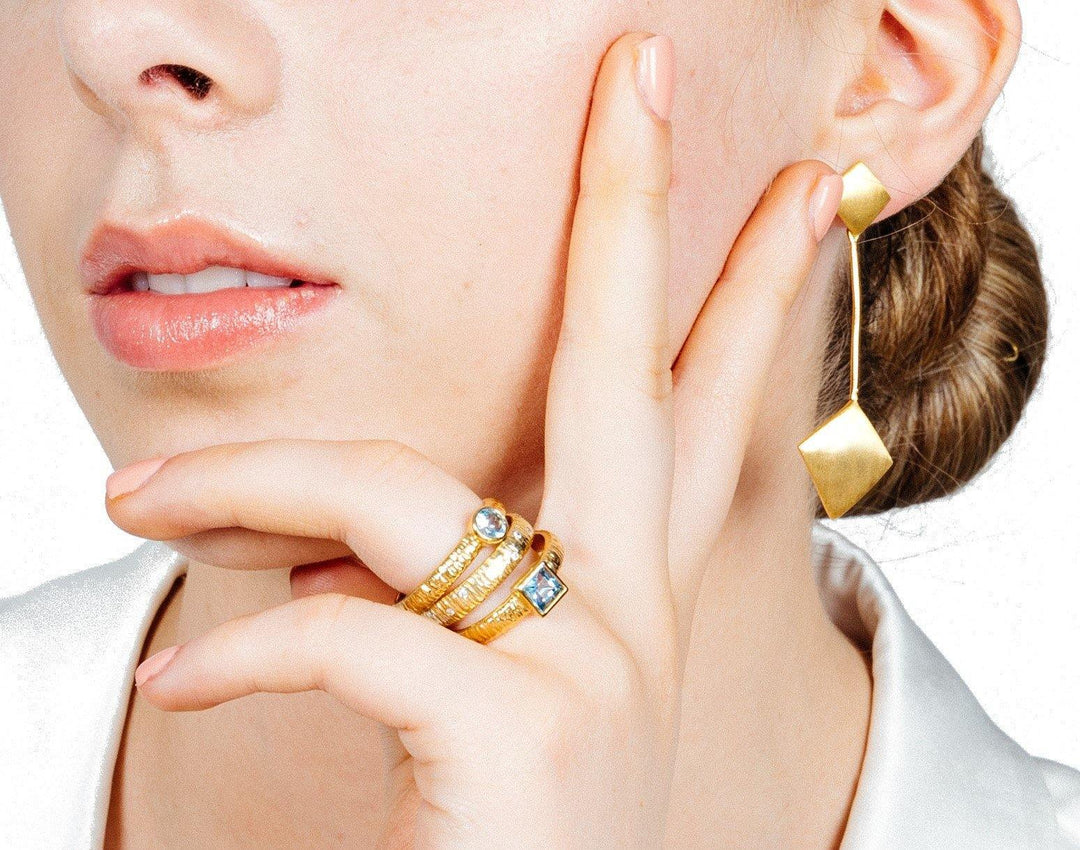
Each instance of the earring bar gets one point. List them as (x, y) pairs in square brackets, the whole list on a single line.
[(856, 315)]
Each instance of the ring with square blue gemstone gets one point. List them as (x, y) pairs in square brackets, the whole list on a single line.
[(536, 592)]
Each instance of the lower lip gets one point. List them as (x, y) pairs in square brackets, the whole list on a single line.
[(150, 330)]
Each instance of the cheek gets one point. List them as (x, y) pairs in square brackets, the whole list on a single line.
[(737, 122), (39, 181), (464, 144), (459, 155)]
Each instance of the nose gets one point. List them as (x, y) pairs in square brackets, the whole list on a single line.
[(202, 63)]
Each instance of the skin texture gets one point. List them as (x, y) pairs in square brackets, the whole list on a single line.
[(428, 158)]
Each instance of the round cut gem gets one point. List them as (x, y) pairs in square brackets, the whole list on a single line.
[(490, 524)]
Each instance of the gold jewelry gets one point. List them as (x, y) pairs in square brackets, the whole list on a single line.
[(845, 455), (479, 584), (488, 526), (535, 593)]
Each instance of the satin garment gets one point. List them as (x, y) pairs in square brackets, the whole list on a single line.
[(938, 773)]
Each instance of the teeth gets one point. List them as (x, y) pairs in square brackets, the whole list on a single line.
[(168, 284), (209, 279), (265, 281), (214, 278)]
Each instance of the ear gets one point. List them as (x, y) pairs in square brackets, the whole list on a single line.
[(915, 80)]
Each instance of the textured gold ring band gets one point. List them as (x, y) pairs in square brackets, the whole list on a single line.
[(488, 526), (479, 584), (534, 593)]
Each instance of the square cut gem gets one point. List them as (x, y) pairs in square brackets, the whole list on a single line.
[(543, 589)]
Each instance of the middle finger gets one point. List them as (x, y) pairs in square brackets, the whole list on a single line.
[(609, 431)]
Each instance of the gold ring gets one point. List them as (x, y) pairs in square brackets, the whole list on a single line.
[(479, 584), (535, 593), (488, 526)]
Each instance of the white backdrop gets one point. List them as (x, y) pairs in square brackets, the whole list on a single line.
[(992, 574)]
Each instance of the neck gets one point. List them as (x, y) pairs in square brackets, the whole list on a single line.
[(776, 706), (776, 700)]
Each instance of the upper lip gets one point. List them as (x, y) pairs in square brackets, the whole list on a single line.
[(182, 245)]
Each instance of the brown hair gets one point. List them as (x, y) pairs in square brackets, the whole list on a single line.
[(954, 334)]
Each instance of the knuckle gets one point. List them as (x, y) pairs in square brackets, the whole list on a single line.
[(194, 466), (655, 375), (387, 461), (320, 623), (650, 365), (619, 184)]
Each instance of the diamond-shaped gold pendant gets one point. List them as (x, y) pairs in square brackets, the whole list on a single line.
[(846, 458)]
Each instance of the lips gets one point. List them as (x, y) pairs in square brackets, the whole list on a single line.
[(194, 330)]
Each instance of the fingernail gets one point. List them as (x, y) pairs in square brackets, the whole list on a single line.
[(654, 59), (824, 203), (154, 664), (131, 477)]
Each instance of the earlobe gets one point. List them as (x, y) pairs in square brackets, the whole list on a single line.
[(930, 72)]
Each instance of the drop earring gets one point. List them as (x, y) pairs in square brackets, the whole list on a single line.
[(845, 455)]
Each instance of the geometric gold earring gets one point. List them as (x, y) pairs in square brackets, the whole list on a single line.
[(845, 455)]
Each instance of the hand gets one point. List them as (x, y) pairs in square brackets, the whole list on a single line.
[(563, 731)]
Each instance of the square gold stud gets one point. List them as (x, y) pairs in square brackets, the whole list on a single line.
[(845, 458), (863, 199)]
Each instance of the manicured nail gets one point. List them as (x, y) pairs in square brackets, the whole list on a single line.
[(824, 203), (129, 478), (154, 664), (654, 59)]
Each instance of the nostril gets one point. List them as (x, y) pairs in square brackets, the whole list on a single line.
[(194, 82)]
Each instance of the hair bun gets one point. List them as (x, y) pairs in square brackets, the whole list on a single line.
[(955, 325)]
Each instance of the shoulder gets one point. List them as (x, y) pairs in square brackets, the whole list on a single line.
[(94, 593), (1063, 783), (938, 771), (74, 619), (67, 651)]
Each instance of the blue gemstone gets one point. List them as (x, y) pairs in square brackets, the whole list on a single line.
[(543, 589), (491, 524)]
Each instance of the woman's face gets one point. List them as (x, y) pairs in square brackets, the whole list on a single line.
[(422, 155)]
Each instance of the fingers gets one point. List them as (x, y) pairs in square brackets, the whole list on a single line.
[(722, 369), (339, 575), (399, 669), (609, 441), (386, 502), (244, 549)]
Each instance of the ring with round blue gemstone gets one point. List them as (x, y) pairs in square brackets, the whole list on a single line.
[(536, 592), (488, 526), (459, 601)]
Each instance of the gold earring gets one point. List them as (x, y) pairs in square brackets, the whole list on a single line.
[(845, 456)]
